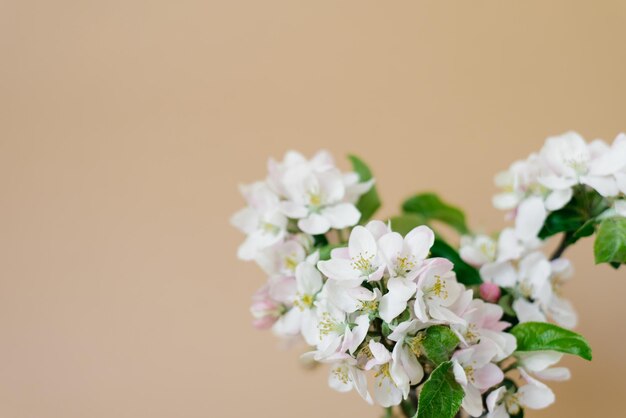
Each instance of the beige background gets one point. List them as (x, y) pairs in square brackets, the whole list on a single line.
[(125, 127)]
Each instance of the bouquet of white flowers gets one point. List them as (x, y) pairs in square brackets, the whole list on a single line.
[(435, 330)]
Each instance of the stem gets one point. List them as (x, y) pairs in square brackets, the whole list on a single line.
[(561, 248)]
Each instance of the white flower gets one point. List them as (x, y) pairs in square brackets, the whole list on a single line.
[(502, 403), (572, 161), (483, 321), (537, 286), (407, 348), (437, 291), (278, 170), (391, 382), (404, 258), (520, 182), (317, 200), (478, 250), (360, 261), (282, 258), (345, 376), (474, 371), (337, 333), (262, 221)]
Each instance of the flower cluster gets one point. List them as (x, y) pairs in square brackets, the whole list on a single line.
[(546, 182), (398, 314)]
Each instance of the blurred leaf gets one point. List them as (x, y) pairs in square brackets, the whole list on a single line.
[(403, 224), (431, 207), (465, 273), (578, 218), (368, 203), (610, 245)]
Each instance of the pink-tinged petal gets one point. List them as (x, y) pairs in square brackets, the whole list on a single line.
[(314, 224), (293, 210), (490, 292), (531, 215), (557, 374), (558, 198), (362, 243), (488, 376), (265, 322), (283, 289), (606, 186), (420, 240), (502, 274), (342, 215), (338, 269)]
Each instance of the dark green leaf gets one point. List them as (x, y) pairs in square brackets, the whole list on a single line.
[(540, 336), (439, 343), (610, 245), (465, 273), (431, 207), (368, 203), (578, 218), (441, 395)]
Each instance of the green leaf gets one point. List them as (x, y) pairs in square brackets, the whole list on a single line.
[(506, 303), (540, 336), (465, 273), (439, 343), (403, 224), (431, 207), (441, 395), (368, 203), (610, 245), (578, 218)]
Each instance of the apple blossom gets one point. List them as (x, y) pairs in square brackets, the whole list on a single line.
[(475, 372)]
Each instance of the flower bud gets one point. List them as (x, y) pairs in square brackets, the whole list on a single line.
[(490, 292)]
